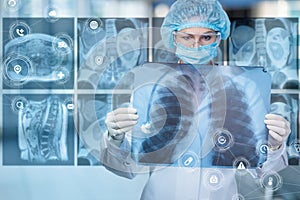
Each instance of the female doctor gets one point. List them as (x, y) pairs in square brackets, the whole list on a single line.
[(194, 28)]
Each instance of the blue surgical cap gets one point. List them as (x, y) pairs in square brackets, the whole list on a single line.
[(194, 13)]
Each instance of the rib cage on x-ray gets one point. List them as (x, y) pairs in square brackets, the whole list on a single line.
[(177, 92), (170, 112), (238, 123)]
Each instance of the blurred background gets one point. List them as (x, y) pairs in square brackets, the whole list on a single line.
[(73, 81)]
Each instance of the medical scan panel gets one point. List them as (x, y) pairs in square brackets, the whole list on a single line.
[(108, 47), (38, 53), (92, 110), (267, 42), (38, 130), (287, 105)]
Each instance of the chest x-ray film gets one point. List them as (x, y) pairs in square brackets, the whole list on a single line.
[(267, 42), (108, 47), (200, 116), (38, 53)]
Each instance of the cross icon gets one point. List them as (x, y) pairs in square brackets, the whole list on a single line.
[(60, 75)]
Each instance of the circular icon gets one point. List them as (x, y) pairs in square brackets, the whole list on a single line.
[(62, 75), (69, 103), (16, 70), (18, 103), (241, 164), (271, 181), (213, 179), (12, 5), (19, 29), (94, 24), (52, 12), (99, 59), (222, 140), (263, 149), (189, 159), (295, 146), (63, 43)]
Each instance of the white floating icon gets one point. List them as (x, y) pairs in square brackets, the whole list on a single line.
[(188, 161), (270, 181), (213, 179), (12, 3), (62, 44), (52, 13), (17, 69), (70, 106), (222, 140), (241, 166)]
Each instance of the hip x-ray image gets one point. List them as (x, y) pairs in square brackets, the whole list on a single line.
[(108, 47), (267, 42), (287, 105), (199, 116), (37, 130), (38, 53)]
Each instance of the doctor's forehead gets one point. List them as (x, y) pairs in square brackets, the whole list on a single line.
[(196, 30)]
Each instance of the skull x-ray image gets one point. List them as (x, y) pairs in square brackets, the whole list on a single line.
[(209, 112), (267, 42), (38, 53), (37, 130), (108, 47)]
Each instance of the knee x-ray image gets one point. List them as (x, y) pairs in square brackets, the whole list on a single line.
[(200, 116), (38, 53), (108, 47), (267, 42), (39, 130)]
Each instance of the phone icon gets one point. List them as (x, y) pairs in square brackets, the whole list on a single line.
[(20, 32)]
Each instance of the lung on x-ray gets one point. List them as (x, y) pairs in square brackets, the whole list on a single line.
[(199, 116), (267, 42), (108, 47), (38, 53)]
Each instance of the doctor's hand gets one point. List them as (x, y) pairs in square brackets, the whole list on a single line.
[(120, 121), (279, 130)]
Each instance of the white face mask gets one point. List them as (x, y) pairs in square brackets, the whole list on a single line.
[(200, 55)]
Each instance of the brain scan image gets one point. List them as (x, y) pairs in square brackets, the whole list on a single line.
[(41, 128), (108, 48), (270, 43), (37, 58)]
